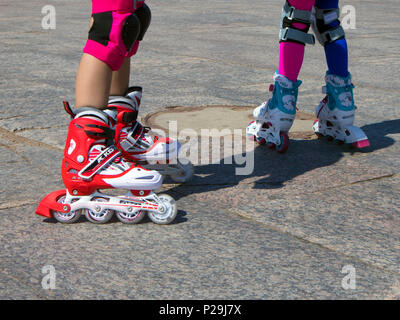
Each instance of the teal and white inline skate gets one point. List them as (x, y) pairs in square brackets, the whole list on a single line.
[(335, 113), (274, 118)]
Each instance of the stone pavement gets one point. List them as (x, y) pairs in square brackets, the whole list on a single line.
[(286, 231)]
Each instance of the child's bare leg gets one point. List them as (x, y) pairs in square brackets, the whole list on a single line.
[(93, 82), (120, 79)]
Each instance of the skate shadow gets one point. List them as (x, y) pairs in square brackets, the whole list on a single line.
[(273, 170), (377, 134), (82, 219), (180, 218)]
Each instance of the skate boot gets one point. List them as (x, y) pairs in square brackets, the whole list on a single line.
[(275, 117), (335, 113), (136, 142), (92, 163)]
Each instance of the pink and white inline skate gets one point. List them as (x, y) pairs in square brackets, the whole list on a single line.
[(335, 113)]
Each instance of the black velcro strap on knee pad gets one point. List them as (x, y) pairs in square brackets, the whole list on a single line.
[(323, 29), (333, 34), (130, 31), (291, 33), (327, 16), (101, 27), (296, 15), (144, 16)]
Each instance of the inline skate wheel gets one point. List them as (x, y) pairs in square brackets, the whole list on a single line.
[(284, 145), (69, 217), (261, 141), (186, 172), (131, 218), (167, 211), (99, 216)]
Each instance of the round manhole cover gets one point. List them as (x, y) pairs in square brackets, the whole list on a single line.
[(219, 117)]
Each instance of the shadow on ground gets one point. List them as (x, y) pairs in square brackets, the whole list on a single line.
[(272, 170)]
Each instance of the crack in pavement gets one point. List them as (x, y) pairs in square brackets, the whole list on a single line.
[(17, 204), (25, 284), (12, 117), (37, 128), (304, 238), (14, 138), (387, 176), (13, 149)]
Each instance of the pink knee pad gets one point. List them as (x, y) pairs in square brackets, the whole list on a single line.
[(106, 41)]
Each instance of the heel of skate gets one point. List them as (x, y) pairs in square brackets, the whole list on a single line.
[(50, 203)]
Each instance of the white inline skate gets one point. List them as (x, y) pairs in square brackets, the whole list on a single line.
[(335, 113), (136, 142), (91, 162), (275, 117)]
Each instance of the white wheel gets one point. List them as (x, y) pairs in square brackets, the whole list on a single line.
[(69, 217), (131, 218), (99, 216), (186, 172), (167, 212)]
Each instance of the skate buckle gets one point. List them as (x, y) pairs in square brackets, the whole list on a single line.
[(49, 203)]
